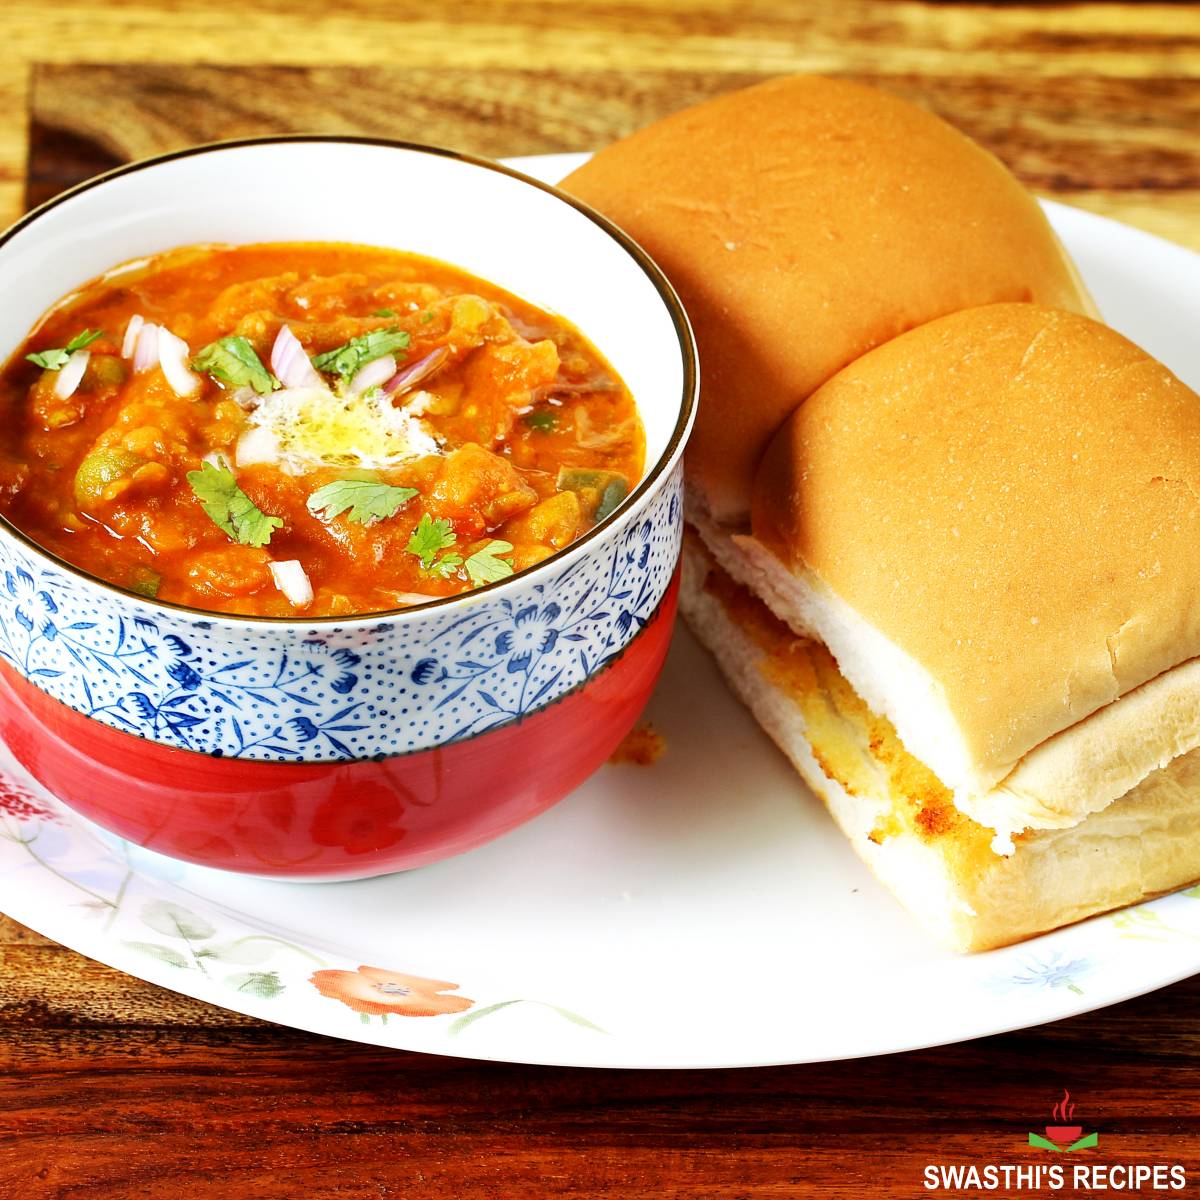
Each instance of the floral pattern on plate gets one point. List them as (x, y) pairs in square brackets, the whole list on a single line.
[(142, 912), (133, 908)]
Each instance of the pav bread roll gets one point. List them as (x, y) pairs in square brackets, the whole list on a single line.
[(804, 221), (969, 612)]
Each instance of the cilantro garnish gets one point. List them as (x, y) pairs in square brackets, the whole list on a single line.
[(486, 565), (367, 500), (234, 361), (430, 538), (229, 507), (446, 566), (81, 340), (384, 312), (357, 352), (426, 317), (56, 359)]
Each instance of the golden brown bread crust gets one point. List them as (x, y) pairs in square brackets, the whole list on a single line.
[(1010, 496), (804, 221)]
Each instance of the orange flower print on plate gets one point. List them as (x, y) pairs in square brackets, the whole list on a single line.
[(376, 992)]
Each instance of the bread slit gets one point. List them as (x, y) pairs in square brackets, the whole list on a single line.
[(903, 821)]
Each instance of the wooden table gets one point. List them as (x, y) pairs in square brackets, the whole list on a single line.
[(114, 1088)]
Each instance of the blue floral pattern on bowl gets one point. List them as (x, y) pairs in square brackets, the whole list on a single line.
[(336, 692)]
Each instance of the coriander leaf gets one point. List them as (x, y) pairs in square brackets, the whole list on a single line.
[(485, 566), (229, 507), (56, 359), (367, 500), (426, 317), (446, 566), (233, 360), (357, 352), (82, 340), (384, 312), (52, 360), (429, 537)]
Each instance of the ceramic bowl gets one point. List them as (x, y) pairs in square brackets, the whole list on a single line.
[(338, 748)]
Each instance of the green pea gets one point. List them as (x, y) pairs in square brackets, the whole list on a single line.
[(99, 469), (145, 581), (106, 370)]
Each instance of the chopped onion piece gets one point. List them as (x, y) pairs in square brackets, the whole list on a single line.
[(68, 378), (374, 374), (245, 396), (259, 445), (407, 598), (146, 355), (131, 335), (549, 390), (291, 580), (173, 355), (290, 363), (414, 374)]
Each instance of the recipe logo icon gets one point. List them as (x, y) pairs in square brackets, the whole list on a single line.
[(1061, 1136), (1085, 1174)]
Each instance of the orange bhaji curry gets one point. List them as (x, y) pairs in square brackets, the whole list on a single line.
[(308, 430)]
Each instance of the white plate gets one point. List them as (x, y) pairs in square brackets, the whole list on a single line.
[(700, 912)]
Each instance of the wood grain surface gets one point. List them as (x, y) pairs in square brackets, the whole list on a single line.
[(110, 1087), (116, 1088)]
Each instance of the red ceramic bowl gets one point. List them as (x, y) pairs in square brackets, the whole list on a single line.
[(340, 748)]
